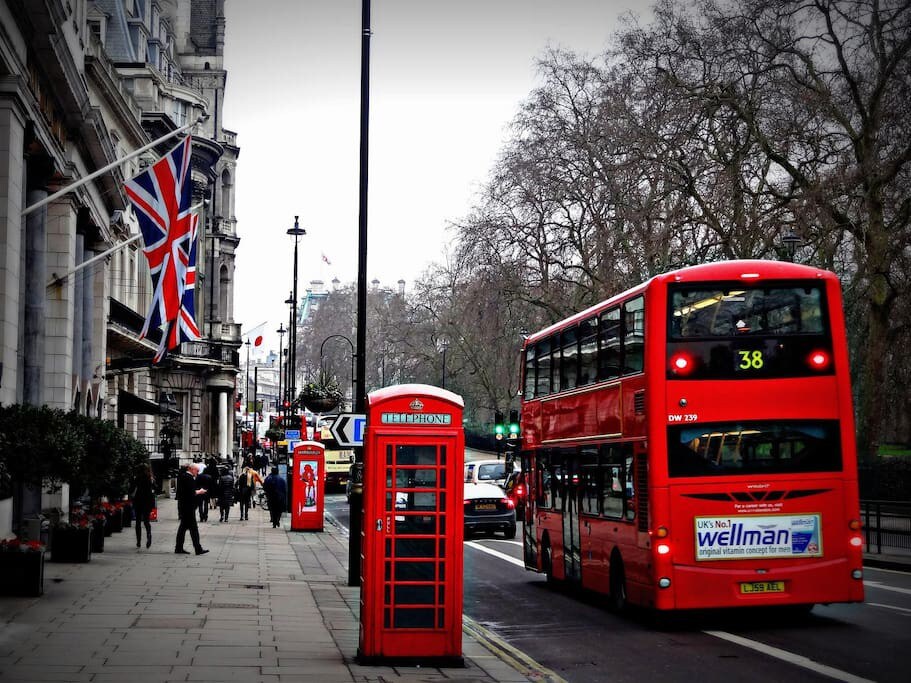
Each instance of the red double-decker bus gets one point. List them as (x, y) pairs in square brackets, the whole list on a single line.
[(691, 442)]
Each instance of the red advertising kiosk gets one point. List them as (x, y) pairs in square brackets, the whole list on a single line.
[(411, 567), (308, 472)]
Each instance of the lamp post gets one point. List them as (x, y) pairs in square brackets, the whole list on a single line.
[(281, 403), (247, 382), (353, 356), (297, 232), (444, 344), (791, 241), (288, 396)]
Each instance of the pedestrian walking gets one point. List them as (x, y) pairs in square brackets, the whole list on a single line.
[(143, 500), (212, 469), (276, 496), (246, 487), (206, 481), (225, 493), (187, 501)]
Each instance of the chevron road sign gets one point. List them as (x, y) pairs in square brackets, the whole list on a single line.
[(348, 429)]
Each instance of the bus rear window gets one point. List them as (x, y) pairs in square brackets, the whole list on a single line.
[(697, 313), (781, 447), (738, 332)]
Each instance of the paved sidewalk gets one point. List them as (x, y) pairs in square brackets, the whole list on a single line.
[(263, 605)]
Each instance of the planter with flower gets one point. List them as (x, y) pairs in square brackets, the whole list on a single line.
[(72, 541), (98, 524), (322, 395), (22, 567)]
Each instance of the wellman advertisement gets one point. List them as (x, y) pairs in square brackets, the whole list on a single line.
[(745, 537)]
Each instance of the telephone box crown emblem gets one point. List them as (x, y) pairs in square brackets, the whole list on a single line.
[(416, 404)]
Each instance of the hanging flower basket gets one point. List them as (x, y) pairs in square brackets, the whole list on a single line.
[(320, 404), (322, 395), (22, 568)]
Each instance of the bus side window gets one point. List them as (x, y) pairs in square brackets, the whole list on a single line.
[(569, 365), (588, 351), (633, 335), (590, 479), (542, 378), (528, 391), (630, 489), (610, 345)]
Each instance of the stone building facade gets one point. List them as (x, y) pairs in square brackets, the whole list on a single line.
[(83, 85)]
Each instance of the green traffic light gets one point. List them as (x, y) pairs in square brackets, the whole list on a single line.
[(514, 429), (498, 429)]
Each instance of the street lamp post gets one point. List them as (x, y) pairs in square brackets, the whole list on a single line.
[(297, 232), (353, 356), (288, 396), (791, 241), (444, 344), (280, 408)]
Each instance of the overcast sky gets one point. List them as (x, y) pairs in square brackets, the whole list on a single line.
[(445, 80)]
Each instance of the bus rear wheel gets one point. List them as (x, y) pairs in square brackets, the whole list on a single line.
[(547, 564), (617, 596)]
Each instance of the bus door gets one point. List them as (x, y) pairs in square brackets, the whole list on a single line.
[(572, 554), (529, 546)]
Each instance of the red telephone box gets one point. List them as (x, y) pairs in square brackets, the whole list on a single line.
[(308, 464), (411, 567)]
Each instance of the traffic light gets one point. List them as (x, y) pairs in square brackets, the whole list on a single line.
[(499, 426), (513, 424)]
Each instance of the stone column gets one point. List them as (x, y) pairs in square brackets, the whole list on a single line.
[(223, 424), (34, 295)]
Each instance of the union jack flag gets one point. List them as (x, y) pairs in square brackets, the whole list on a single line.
[(161, 199)]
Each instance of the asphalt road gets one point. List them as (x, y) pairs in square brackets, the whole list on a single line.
[(574, 634)]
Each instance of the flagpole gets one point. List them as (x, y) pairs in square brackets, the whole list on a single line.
[(57, 279), (79, 183)]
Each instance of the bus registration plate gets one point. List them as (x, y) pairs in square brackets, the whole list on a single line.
[(762, 587)]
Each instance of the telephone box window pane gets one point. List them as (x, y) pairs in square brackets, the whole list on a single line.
[(443, 478), (387, 618), (414, 479), (442, 548), (416, 455), (388, 547), (414, 618), (388, 573), (442, 525), (388, 477), (387, 594), (388, 455), (414, 571), (441, 618), (414, 595), (410, 547), (442, 574), (416, 524), (441, 597), (443, 456)]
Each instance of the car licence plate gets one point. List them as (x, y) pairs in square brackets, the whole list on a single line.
[(485, 506), (762, 587)]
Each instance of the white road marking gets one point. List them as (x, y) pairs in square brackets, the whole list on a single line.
[(896, 589), (790, 657), (897, 609), (495, 553)]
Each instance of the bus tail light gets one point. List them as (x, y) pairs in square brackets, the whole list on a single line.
[(664, 582), (819, 360), (857, 574), (663, 548), (682, 364), (855, 525), (661, 532)]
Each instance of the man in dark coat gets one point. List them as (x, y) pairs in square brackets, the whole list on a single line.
[(276, 496), (187, 501)]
